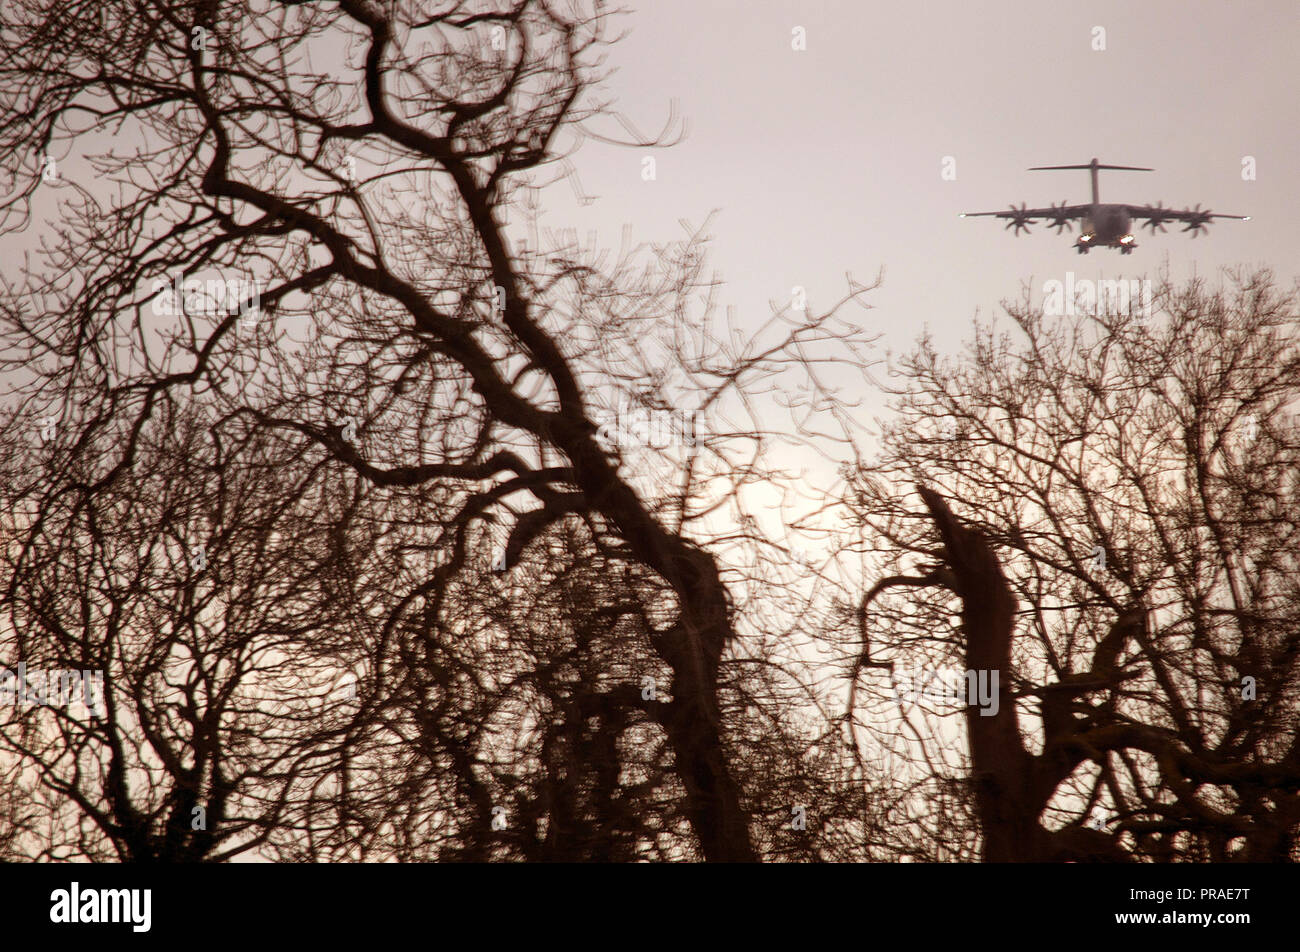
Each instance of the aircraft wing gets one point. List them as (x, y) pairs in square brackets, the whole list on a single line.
[(1063, 212), (1195, 219), (1057, 216)]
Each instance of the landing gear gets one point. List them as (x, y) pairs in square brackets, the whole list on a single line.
[(1127, 249), (1082, 249)]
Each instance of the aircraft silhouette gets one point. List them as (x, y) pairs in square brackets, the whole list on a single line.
[(1104, 225)]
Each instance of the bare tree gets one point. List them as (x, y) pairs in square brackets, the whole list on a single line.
[(205, 586), (1112, 500), (325, 270)]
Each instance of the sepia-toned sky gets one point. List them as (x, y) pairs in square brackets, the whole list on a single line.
[(828, 160)]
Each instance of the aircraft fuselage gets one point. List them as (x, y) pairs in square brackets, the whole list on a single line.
[(1106, 226)]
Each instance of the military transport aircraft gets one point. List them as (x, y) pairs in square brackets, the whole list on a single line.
[(1104, 225)]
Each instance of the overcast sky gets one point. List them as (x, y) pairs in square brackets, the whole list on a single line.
[(828, 160)]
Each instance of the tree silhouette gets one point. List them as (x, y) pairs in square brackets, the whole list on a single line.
[(332, 492), (406, 527), (1117, 521)]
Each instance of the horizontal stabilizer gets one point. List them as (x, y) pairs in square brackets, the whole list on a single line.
[(1122, 168)]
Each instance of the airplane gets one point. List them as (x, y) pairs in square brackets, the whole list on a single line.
[(1104, 225)]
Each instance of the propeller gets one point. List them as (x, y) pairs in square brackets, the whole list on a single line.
[(1200, 220), (1060, 218), (1020, 220), (1158, 218)]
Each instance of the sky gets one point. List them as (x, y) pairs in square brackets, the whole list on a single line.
[(829, 159)]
